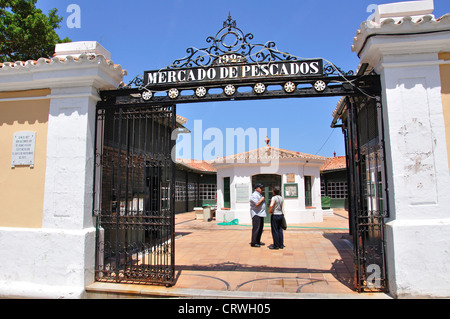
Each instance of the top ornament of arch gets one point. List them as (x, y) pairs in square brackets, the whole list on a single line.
[(231, 45)]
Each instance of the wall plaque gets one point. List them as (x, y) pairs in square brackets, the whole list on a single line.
[(290, 178), (23, 149), (242, 193), (291, 190)]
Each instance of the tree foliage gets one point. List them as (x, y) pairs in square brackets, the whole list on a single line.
[(25, 32)]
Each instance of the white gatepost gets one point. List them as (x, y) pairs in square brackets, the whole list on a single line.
[(58, 259), (402, 43)]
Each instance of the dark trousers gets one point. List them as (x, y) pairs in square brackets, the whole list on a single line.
[(258, 225), (277, 231)]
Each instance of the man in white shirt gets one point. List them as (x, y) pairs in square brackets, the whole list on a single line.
[(258, 212)]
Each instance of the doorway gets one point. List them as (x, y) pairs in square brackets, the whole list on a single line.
[(269, 181)]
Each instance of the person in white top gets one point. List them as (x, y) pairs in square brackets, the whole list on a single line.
[(258, 212), (276, 218)]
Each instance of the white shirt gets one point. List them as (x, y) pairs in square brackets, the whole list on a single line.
[(278, 205), (257, 210)]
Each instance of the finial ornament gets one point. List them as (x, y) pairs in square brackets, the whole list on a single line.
[(229, 23)]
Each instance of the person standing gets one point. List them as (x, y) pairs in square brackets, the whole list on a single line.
[(258, 212), (276, 218)]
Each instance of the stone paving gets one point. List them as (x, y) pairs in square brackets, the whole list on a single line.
[(318, 258), (216, 261)]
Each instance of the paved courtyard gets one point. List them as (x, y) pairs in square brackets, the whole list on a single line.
[(216, 261), (318, 258)]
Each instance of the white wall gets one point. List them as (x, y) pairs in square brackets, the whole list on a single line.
[(418, 229), (295, 211), (419, 178), (57, 260)]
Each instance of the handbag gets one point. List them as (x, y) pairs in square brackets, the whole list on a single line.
[(283, 223), (283, 220)]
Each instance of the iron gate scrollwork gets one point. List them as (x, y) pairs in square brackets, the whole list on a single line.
[(368, 200), (134, 202)]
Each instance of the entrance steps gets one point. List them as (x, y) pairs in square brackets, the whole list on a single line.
[(101, 290)]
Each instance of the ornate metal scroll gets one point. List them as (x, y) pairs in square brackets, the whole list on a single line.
[(231, 45), (331, 69)]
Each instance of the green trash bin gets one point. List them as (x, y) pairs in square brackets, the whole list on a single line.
[(326, 202)]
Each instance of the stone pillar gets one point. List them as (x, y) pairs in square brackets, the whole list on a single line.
[(58, 257), (402, 45)]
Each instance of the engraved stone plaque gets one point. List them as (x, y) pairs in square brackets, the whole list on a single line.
[(23, 149)]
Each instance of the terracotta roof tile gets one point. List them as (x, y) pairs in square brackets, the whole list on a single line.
[(55, 60), (198, 165), (334, 163), (406, 24), (267, 152)]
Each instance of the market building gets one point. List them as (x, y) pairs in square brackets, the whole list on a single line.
[(195, 185), (333, 181), (297, 174)]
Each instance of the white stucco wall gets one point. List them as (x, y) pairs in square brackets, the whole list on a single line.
[(58, 260), (295, 211), (418, 229)]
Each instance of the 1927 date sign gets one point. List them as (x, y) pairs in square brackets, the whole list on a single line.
[(234, 72)]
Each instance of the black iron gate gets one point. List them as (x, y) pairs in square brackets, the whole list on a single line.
[(368, 201), (134, 171), (134, 202)]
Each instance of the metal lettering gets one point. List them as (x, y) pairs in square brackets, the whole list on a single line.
[(217, 73), (314, 67), (211, 74)]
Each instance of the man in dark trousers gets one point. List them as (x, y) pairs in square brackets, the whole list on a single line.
[(258, 212)]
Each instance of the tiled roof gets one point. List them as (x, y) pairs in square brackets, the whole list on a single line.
[(334, 163), (83, 58), (394, 26), (400, 25), (182, 120), (198, 165), (266, 153)]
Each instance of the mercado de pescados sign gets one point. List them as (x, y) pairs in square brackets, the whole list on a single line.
[(234, 72)]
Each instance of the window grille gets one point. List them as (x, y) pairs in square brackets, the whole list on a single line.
[(337, 189), (180, 191), (208, 191)]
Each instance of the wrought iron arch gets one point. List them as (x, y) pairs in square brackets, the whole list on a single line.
[(232, 47)]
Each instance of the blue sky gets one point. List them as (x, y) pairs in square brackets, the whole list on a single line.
[(148, 34)]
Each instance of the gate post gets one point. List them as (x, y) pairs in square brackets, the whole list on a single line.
[(57, 251), (404, 44)]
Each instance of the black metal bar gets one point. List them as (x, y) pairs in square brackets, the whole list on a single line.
[(172, 196), (337, 86), (118, 193), (353, 185), (384, 185)]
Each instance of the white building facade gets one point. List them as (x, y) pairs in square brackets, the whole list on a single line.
[(297, 174)]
